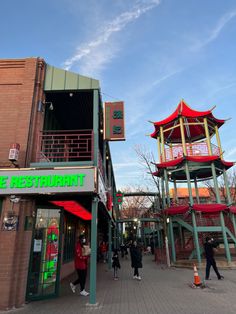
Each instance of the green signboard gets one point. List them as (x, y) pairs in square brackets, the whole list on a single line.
[(47, 181)]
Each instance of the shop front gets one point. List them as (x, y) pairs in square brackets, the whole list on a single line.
[(60, 208)]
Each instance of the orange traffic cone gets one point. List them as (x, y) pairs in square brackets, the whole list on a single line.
[(197, 279)]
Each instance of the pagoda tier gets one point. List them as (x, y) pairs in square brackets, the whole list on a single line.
[(203, 208), (199, 166), (193, 125)]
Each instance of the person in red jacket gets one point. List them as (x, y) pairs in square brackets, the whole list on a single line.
[(103, 251), (81, 265)]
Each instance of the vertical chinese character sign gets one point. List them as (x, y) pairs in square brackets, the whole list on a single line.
[(114, 126)]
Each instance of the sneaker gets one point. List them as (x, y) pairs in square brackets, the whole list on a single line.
[(221, 277), (115, 278), (139, 278), (207, 278), (73, 287), (135, 277), (84, 293)]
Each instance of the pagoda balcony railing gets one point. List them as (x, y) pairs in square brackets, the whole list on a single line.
[(193, 149), (65, 146)]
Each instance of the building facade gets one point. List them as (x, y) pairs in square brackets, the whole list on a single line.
[(56, 177)]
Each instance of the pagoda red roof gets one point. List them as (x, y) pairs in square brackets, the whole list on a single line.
[(195, 159), (198, 159), (196, 132)]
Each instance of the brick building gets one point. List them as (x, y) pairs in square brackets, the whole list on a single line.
[(56, 177)]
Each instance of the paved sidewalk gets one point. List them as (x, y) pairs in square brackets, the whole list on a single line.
[(161, 290)]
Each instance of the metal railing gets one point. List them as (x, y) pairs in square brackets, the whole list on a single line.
[(194, 149), (65, 146)]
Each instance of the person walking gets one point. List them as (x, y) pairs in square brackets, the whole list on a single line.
[(136, 259), (209, 247), (115, 263), (103, 251), (81, 264), (122, 249)]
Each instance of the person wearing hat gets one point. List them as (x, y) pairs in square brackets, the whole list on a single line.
[(81, 265), (210, 261)]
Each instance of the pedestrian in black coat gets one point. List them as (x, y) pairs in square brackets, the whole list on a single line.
[(136, 259), (210, 261), (115, 263)]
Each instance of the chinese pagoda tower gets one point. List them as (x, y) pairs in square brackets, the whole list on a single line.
[(187, 156)]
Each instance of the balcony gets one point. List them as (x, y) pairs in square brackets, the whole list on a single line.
[(65, 146), (194, 149)]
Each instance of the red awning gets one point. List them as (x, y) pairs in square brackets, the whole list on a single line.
[(183, 110), (232, 209), (204, 208), (209, 208), (175, 210), (75, 208)]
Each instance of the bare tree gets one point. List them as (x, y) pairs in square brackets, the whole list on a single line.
[(134, 206), (231, 178), (147, 160)]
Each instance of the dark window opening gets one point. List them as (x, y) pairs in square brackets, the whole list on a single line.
[(69, 238), (67, 134)]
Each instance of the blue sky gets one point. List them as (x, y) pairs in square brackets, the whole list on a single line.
[(149, 53)]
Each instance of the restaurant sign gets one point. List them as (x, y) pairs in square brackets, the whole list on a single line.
[(114, 126), (47, 181)]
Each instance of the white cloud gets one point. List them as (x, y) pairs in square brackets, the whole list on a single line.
[(98, 52), (125, 164), (165, 77), (231, 153), (215, 32)]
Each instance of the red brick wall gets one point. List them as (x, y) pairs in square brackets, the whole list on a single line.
[(21, 87), (14, 257)]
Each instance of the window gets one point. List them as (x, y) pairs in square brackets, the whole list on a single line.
[(69, 238)]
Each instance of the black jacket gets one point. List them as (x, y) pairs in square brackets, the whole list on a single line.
[(115, 261), (209, 249), (136, 257)]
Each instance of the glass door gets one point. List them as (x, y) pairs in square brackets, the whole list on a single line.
[(44, 270)]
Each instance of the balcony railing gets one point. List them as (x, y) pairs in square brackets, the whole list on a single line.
[(194, 149), (65, 146)]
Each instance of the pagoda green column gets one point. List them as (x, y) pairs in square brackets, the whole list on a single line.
[(171, 232), (195, 232), (232, 216), (167, 188), (213, 170), (109, 244), (93, 257), (176, 192), (163, 194), (196, 190), (181, 236), (222, 222), (229, 201), (227, 251)]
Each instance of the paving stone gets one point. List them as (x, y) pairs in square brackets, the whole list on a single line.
[(161, 291)]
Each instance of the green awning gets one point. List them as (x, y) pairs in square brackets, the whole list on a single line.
[(59, 79)]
